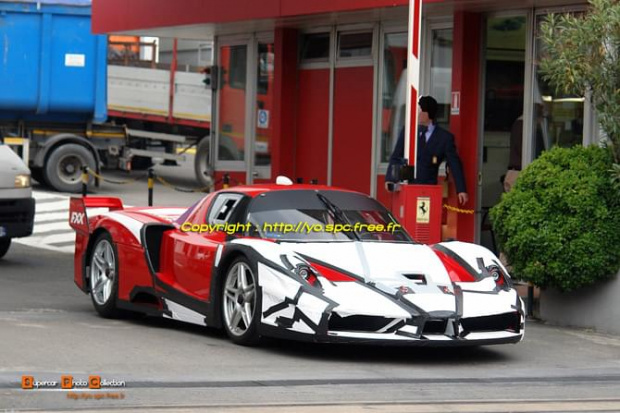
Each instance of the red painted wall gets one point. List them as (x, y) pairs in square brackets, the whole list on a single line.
[(466, 79), (312, 125), (123, 15), (284, 103), (352, 145)]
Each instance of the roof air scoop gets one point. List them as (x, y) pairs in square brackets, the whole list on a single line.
[(283, 180)]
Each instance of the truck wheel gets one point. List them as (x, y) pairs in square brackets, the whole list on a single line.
[(5, 243), (63, 168), (202, 167), (37, 174)]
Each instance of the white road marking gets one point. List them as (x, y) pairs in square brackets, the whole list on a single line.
[(51, 215), (51, 223)]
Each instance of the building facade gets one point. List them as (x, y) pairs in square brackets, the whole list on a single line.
[(315, 90)]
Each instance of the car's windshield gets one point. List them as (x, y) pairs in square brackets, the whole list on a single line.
[(313, 215)]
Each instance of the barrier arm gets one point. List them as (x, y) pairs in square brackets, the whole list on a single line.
[(413, 81)]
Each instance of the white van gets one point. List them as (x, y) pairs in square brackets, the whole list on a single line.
[(16, 201)]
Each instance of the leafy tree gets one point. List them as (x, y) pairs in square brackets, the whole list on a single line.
[(560, 224), (582, 56)]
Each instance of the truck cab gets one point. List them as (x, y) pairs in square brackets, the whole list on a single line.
[(16, 201)]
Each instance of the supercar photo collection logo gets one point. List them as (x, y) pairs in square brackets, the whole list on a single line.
[(68, 382)]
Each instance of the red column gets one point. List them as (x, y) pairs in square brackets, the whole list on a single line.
[(284, 103), (465, 126)]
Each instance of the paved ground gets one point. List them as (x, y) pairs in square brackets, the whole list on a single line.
[(49, 329)]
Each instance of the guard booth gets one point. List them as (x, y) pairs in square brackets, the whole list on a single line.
[(419, 209), (314, 90)]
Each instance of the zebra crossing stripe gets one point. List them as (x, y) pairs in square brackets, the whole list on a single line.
[(51, 224), (50, 217)]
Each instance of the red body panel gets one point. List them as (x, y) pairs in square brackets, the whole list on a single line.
[(132, 271), (189, 258)]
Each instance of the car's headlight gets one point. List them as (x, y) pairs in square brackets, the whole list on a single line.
[(301, 269), (22, 181)]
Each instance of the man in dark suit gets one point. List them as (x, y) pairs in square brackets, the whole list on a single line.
[(434, 145)]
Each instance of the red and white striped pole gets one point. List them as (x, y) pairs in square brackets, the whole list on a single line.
[(413, 80)]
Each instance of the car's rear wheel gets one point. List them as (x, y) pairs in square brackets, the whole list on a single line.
[(103, 280), (241, 302), (5, 243)]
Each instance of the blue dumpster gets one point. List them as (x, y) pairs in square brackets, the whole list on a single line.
[(52, 69)]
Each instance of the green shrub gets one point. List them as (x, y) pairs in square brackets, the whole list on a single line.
[(560, 224)]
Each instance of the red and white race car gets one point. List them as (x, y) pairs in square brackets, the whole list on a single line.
[(303, 262)]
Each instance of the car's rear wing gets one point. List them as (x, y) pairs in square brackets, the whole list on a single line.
[(78, 218)]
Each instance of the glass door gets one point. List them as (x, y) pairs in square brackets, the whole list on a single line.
[(245, 106), (263, 110), (231, 105), (503, 120)]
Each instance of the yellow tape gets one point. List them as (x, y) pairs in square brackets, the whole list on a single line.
[(458, 210), (169, 185), (96, 175)]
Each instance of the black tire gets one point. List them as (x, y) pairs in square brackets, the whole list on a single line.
[(37, 174), (5, 243), (63, 167), (202, 166), (105, 306), (246, 335)]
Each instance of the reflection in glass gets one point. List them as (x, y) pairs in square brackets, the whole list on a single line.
[(558, 116), (315, 46), (231, 118), (354, 44), (264, 104), (394, 87), (441, 74), (503, 108), (394, 97)]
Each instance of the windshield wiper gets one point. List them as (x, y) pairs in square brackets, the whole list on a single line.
[(337, 213)]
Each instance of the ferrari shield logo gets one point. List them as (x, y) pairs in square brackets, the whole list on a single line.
[(423, 215)]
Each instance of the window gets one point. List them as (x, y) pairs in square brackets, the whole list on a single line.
[(221, 210), (315, 46), (394, 87), (557, 118), (237, 67), (441, 73), (354, 45)]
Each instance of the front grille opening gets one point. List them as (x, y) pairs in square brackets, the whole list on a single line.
[(358, 323), (500, 322), (418, 278), (12, 213), (434, 327)]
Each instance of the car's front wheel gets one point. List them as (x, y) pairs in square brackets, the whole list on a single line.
[(103, 280), (241, 303), (5, 243)]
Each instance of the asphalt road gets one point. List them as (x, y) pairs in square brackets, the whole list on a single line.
[(48, 329)]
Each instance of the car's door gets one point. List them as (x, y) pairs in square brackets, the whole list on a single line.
[(193, 253)]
